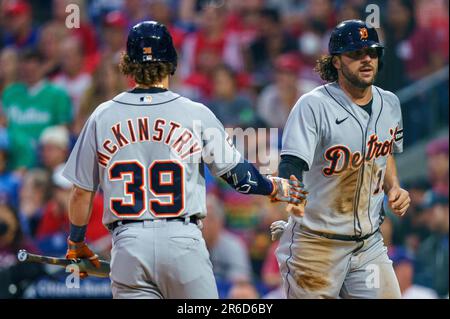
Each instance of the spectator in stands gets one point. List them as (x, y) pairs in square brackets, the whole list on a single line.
[(411, 229), (135, 11), (403, 262), (292, 12), (228, 253), (270, 271), (85, 32), (272, 42), (18, 25), (163, 12), (260, 244), (417, 190), (9, 183), (232, 108), (433, 15), (276, 100), (115, 27), (53, 228), (51, 37), (432, 255), (387, 230), (9, 65), (313, 38), (34, 193), (277, 293), (243, 290), (244, 18), (414, 52), (417, 47), (29, 107), (349, 11), (437, 152), (106, 83), (399, 26), (210, 45), (14, 276), (72, 78), (54, 147), (270, 275)]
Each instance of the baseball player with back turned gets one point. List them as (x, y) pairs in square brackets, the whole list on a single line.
[(146, 149), (340, 139)]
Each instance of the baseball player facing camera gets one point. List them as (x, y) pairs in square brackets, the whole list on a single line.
[(340, 139), (146, 148)]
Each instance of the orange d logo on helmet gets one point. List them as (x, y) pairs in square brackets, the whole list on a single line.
[(147, 53), (363, 33)]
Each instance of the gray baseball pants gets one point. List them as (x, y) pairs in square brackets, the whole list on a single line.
[(161, 259), (313, 266)]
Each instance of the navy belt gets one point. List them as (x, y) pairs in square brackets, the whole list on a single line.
[(339, 237), (114, 225)]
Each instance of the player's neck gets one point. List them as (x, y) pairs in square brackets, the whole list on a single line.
[(360, 96), (164, 84)]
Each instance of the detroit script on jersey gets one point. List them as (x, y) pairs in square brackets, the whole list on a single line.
[(341, 158)]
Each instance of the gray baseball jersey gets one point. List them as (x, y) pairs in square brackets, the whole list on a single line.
[(346, 151), (146, 151)]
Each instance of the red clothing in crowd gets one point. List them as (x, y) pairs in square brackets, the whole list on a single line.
[(416, 51), (270, 266), (86, 34), (54, 221), (178, 36)]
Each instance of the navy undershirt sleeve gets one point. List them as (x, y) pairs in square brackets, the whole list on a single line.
[(292, 165), (246, 179)]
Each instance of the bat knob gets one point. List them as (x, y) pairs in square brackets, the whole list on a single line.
[(22, 255)]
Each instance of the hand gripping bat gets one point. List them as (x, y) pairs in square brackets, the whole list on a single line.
[(83, 264)]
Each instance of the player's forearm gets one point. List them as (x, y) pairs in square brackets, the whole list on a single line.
[(391, 178), (246, 179), (80, 205)]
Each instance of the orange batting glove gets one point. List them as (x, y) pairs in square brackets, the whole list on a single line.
[(81, 250)]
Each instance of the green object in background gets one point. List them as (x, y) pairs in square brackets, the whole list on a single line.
[(246, 116), (28, 114)]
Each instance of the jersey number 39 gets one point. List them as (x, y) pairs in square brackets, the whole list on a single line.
[(165, 180)]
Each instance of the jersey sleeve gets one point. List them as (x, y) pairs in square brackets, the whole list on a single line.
[(82, 167), (301, 132), (219, 152)]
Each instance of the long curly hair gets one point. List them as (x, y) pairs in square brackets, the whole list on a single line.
[(145, 73), (324, 66)]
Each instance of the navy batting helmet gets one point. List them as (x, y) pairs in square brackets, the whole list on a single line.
[(352, 35), (150, 41)]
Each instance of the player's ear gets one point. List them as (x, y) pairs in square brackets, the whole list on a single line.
[(336, 61)]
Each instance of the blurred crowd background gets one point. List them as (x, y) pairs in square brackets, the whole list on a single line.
[(249, 61)]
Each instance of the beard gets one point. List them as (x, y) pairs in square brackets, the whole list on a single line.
[(357, 81)]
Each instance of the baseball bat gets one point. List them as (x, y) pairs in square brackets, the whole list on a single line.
[(83, 264)]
